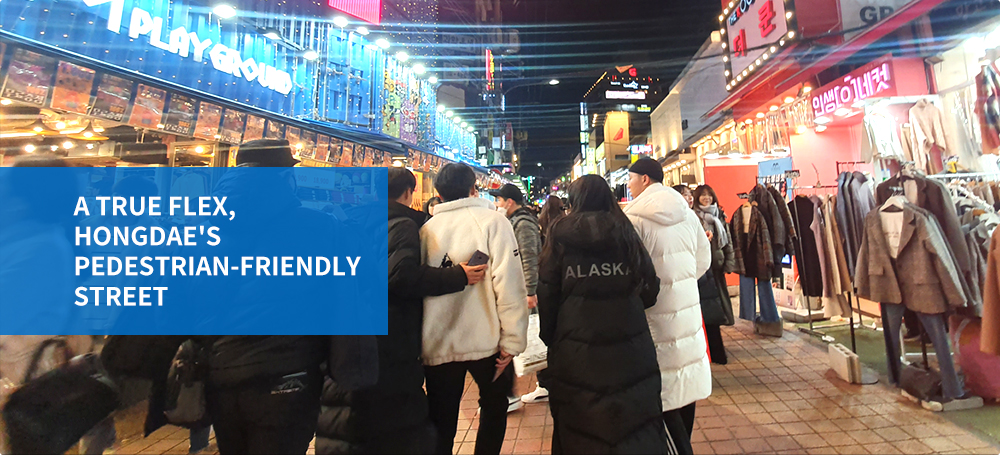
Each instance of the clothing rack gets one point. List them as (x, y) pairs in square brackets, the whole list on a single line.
[(813, 328)]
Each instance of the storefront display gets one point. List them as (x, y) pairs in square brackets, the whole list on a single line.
[(73, 86)]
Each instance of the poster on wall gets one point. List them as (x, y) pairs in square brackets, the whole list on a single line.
[(322, 148), (29, 77), (180, 114), (427, 162), (274, 130), (254, 129), (308, 144), (333, 155), (147, 111), (359, 155), (209, 117), (113, 95), (426, 114), (391, 104), (369, 157), (73, 86), (408, 111), (232, 126), (292, 136), (347, 154)]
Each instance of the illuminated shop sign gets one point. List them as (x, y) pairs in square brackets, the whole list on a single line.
[(179, 41), (643, 149), (624, 95), (366, 10), (490, 70), (874, 79), (754, 31)]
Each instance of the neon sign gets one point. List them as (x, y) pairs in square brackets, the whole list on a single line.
[(624, 95), (865, 82), (490, 70), (749, 43), (366, 10), (188, 44)]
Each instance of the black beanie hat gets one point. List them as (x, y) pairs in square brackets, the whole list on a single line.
[(648, 167)]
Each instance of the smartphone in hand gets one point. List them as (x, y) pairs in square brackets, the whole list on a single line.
[(478, 258)]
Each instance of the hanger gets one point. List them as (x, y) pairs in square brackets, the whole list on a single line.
[(894, 204)]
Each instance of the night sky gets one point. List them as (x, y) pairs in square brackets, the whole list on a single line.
[(576, 41)]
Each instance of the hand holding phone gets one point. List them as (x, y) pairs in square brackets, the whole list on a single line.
[(478, 258)]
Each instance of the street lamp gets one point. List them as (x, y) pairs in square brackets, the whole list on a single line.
[(340, 21), (224, 11), (554, 82), (432, 79), (383, 43)]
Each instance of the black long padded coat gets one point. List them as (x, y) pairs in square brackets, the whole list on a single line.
[(604, 381), (392, 416)]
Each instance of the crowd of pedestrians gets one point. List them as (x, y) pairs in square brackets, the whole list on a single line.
[(616, 291)]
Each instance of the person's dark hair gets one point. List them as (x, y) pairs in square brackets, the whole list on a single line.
[(681, 189), (455, 181), (591, 193), (552, 211), (431, 203), (400, 180), (705, 189)]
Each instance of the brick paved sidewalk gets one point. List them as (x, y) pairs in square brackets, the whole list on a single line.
[(774, 396)]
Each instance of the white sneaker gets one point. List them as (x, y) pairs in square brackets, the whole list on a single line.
[(514, 403), (538, 395)]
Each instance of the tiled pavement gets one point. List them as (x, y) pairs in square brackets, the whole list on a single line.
[(774, 396)]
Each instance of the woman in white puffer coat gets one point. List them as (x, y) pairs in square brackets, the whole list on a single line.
[(681, 252)]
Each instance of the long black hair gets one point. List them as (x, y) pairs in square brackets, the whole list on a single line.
[(591, 193), (552, 211)]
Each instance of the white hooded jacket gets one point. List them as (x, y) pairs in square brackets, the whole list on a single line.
[(681, 253), (493, 314)]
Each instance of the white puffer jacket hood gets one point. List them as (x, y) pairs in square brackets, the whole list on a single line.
[(681, 253)]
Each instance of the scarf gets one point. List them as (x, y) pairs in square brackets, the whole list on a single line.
[(710, 218)]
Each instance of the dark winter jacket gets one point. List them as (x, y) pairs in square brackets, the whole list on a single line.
[(529, 244), (716, 306), (781, 205), (604, 381), (391, 417), (753, 251)]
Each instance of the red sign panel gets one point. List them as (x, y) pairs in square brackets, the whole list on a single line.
[(490, 70), (366, 10)]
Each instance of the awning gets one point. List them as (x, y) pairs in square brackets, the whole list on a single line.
[(836, 55)]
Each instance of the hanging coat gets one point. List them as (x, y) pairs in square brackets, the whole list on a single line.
[(991, 300), (808, 259), (775, 226), (752, 249)]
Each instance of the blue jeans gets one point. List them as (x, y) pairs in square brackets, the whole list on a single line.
[(748, 300), (199, 438), (934, 326)]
